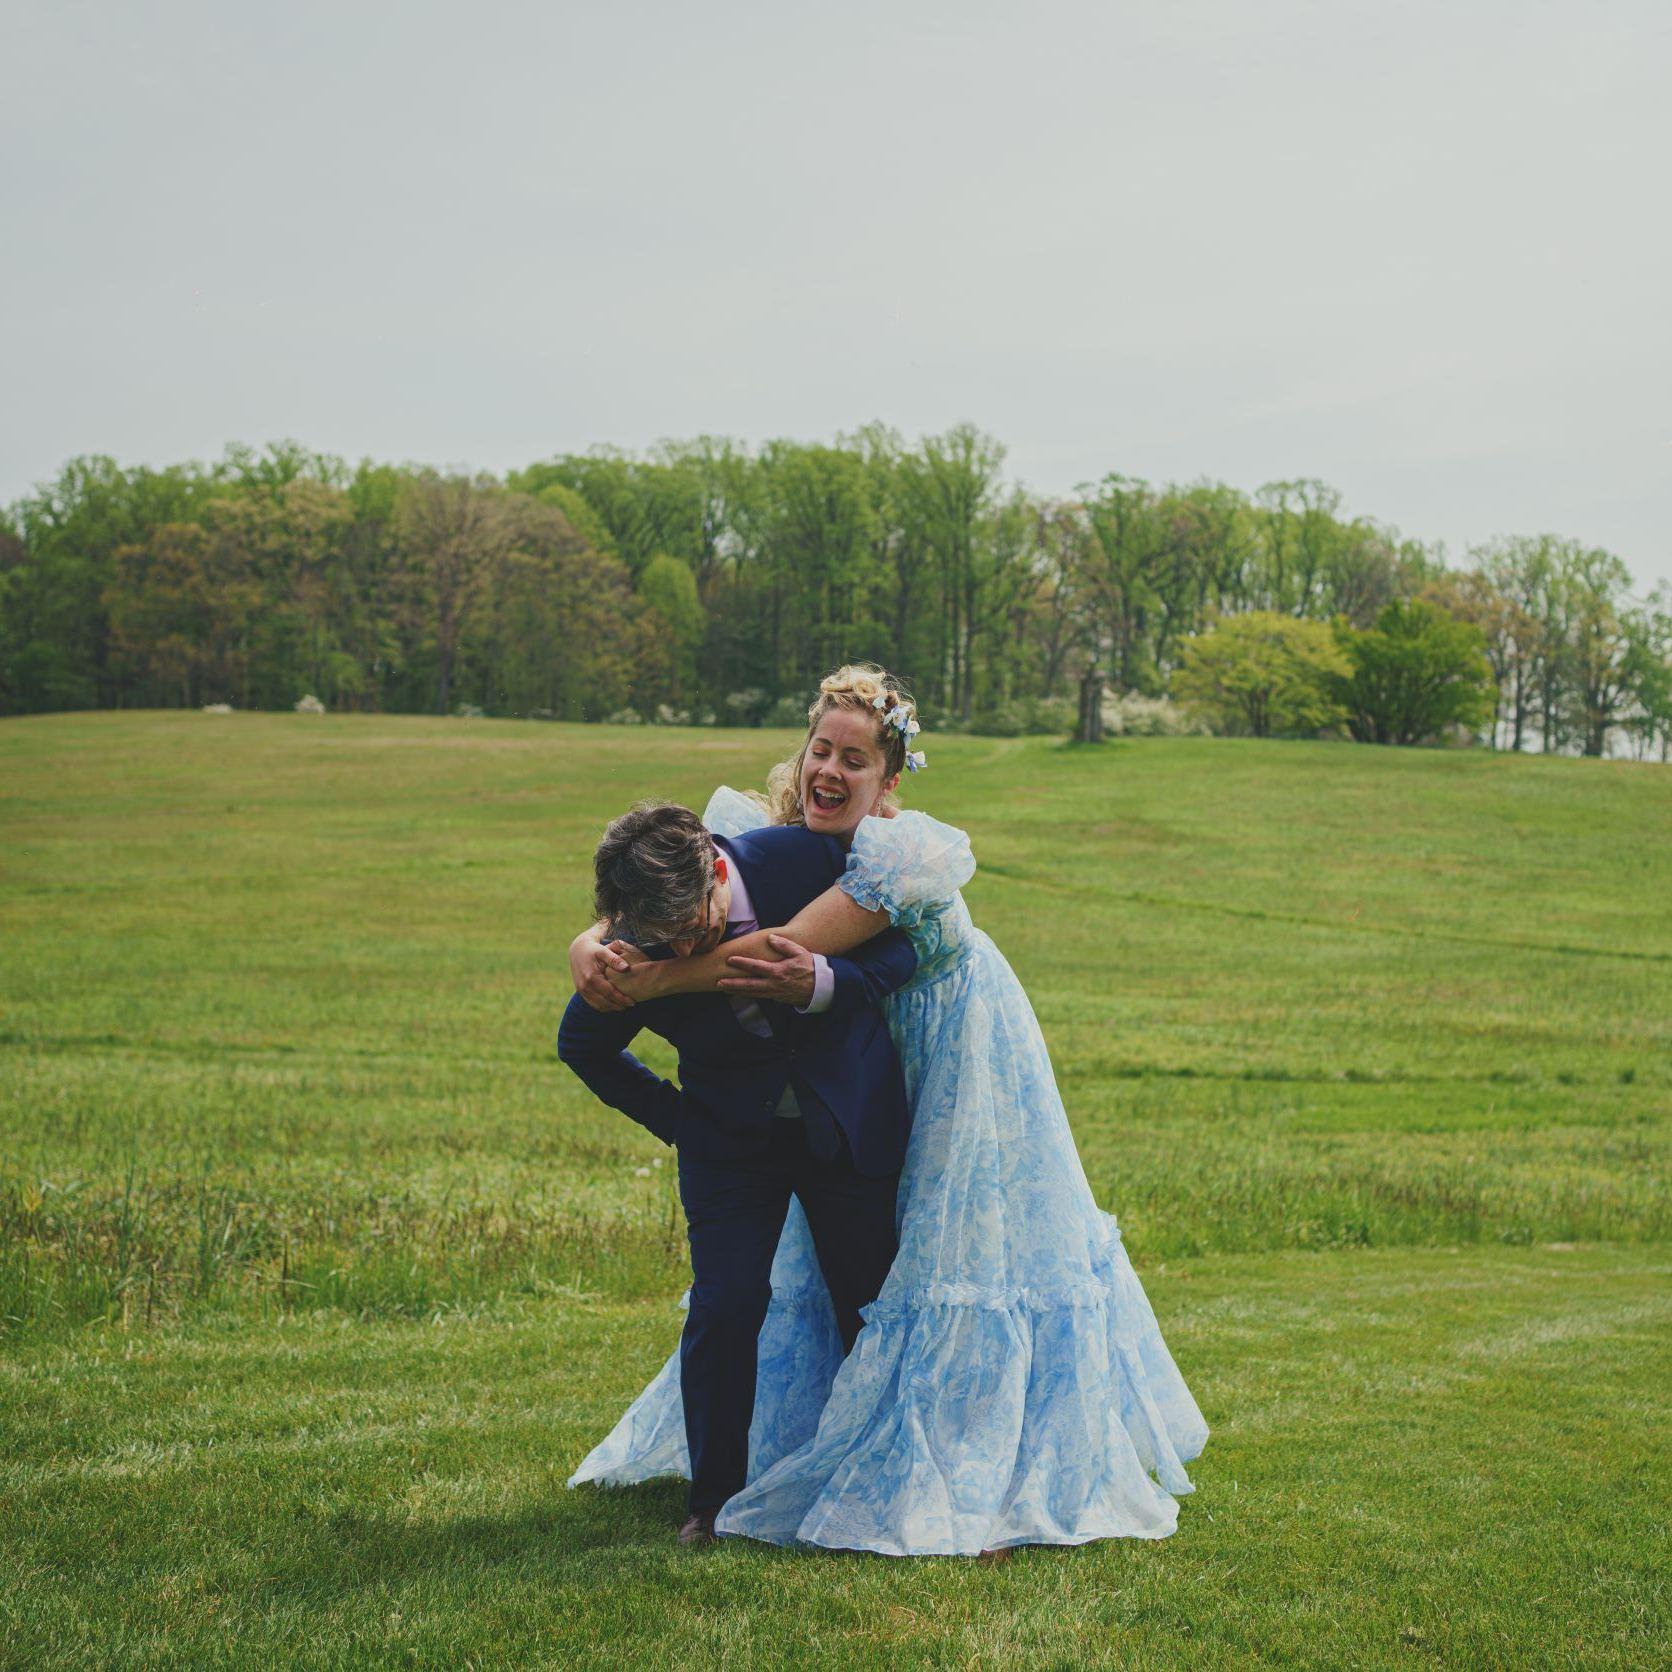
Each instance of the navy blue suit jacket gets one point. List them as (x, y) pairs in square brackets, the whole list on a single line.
[(841, 1062)]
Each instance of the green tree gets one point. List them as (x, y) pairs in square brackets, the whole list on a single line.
[(1519, 572), (1411, 676), (1599, 643), (668, 590), (181, 605), (289, 537), (1648, 665), (1302, 533), (953, 482), (1058, 624), (452, 533), (900, 572), (555, 632), (1133, 546), (72, 528), (1508, 634), (577, 513), (1263, 674)]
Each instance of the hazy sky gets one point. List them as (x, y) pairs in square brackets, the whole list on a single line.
[(1420, 250)]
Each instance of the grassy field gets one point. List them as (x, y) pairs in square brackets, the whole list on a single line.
[(318, 1273)]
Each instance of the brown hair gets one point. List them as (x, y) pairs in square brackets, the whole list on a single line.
[(855, 687), (652, 872)]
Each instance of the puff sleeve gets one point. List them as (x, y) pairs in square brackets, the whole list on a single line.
[(907, 863)]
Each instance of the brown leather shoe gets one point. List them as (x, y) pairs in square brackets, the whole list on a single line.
[(699, 1530)]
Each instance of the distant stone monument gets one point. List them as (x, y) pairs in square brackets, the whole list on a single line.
[(1091, 708)]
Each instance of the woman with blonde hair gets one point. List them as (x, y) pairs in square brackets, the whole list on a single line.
[(1010, 1385)]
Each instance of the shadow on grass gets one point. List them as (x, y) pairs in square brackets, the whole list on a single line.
[(571, 1540), (623, 1534)]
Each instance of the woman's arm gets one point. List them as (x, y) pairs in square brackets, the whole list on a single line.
[(830, 924), (592, 960)]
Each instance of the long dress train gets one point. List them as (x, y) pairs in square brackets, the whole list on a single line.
[(1010, 1385)]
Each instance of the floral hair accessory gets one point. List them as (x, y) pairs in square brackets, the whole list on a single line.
[(902, 720)]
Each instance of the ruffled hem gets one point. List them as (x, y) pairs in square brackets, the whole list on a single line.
[(966, 1419), (959, 1426)]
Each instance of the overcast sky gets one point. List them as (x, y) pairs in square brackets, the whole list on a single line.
[(1418, 249)]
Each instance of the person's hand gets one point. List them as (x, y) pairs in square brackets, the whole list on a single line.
[(592, 960), (786, 979), (636, 974)]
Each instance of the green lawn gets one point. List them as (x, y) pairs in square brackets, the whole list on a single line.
[(318, 1273)]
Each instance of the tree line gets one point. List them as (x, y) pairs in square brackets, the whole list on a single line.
[(707, 580)]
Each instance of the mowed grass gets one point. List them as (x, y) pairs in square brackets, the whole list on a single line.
[(318, 1273)]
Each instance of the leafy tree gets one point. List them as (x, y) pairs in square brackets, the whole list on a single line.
[(1599, 644), (578, 514), (557, 631), (1132, 546), (900, 570), (1415, 673), (453, 533), (952, 480), (1648, 664), (181, 605), (1058, 624), (668, 590), (1301, 534), (1507, 634), (1263, 673), (72, 528), (1198, 563)]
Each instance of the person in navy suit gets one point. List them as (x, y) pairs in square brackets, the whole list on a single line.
[(796, 1094)]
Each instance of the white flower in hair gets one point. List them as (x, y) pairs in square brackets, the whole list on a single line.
[(912, 729), (916, 761), (880, 700)]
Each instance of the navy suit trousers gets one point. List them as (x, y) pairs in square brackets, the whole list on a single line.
[(735, 1211)]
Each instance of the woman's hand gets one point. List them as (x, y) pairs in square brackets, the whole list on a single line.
[(593, 960), (635, 974)]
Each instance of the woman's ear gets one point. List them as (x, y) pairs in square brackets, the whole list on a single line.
[(889, 785)]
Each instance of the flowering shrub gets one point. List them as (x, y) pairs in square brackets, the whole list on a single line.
[(624, 717), (789, 711), (1135, 715), (745, 708), (309, 704), (217, 708)]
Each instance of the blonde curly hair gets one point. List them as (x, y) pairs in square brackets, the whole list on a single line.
[(855, 687)]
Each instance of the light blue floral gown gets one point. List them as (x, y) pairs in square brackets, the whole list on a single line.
[(1010, 1385)]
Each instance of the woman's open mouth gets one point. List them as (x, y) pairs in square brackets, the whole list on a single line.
[(827, 801)]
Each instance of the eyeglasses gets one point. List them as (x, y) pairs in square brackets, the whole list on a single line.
[(698, 932), (707, 915)]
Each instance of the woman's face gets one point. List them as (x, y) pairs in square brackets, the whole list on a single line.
[(843, 773)]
